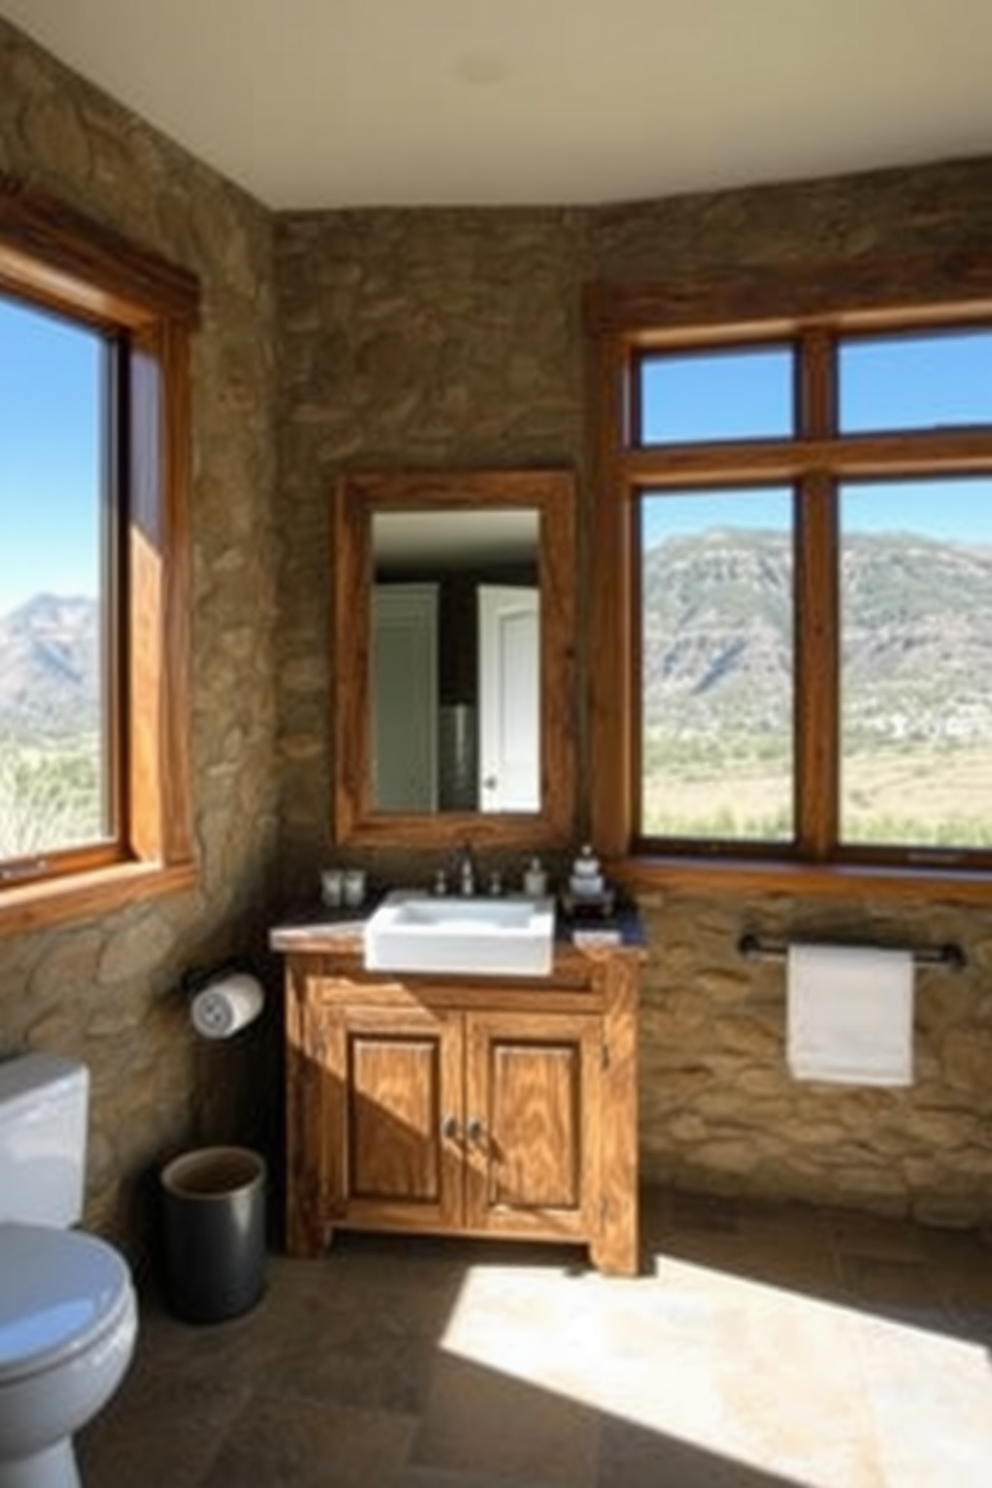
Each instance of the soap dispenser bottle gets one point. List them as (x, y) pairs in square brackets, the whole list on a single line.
[(586, 879), (535, 880)]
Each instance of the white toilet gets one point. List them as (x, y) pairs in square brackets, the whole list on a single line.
[(68, 1312)]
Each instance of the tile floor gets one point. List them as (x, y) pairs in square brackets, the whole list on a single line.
[(760, 1347)]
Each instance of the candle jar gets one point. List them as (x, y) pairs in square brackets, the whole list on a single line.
[(354, 887), (332, 887)]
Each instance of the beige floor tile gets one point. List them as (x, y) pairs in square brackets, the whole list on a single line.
[(482, 1421), (415, 1476), (296, 1444), (876, 1235), (632, 1457), (162, 1431), (930, 1396), (793, 1401)]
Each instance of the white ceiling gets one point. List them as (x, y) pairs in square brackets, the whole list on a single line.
[(450, 539), (341, 103)]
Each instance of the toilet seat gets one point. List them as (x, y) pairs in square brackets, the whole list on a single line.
[(60, 1292)]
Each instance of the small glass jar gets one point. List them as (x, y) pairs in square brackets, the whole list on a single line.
[(354, 888), (332, 887)]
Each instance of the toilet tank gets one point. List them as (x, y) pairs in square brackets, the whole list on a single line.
[(44, 1103)]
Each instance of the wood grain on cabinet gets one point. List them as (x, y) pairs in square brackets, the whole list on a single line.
[(463, 1106)]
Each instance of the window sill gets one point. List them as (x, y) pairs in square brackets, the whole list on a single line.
[(39, 906), (812, 880)]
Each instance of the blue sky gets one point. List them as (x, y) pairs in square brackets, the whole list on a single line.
[(50, 381), (50, 457), (888, 382)]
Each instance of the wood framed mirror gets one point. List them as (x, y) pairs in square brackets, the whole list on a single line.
[(453, 679)]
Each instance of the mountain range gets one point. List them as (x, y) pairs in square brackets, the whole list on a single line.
[(717, 648), (916, 622), (50, 668)]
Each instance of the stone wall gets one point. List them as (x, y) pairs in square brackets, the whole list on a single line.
[(426, 339), (720, 1112), (106, 990), (423, 337), (804, 223)]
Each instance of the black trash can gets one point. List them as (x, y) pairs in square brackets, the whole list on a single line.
[(214, 1232)]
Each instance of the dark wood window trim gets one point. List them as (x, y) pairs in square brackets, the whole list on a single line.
[(758, 305), (61, 259)]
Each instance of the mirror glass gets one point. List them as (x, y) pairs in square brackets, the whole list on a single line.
[(455, 658), (453, 670)]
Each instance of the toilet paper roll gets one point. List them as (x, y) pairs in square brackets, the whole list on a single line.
[(226, 1006)]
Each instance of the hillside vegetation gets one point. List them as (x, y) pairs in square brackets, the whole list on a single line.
[(917, 687), (51, 758)]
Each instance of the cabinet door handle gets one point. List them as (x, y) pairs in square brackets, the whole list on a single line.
[(449, 1128), (476, 1129)]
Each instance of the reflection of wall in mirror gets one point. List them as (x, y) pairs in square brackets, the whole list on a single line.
[(404, 697), (458, 757)]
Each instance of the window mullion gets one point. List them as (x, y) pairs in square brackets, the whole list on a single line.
[(817, 665), (816, 608), (817, 385)]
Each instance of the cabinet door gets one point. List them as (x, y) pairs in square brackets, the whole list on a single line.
[(532, 1098), (398, 1152)]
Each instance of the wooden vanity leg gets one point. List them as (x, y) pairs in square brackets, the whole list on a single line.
[(615, 1250), (305, 1219)]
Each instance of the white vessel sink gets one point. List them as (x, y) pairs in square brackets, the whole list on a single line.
[(413, 931)]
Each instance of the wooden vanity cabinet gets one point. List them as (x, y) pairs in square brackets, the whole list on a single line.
[(460, 1106)]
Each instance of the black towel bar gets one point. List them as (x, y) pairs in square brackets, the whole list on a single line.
[(949, 955)]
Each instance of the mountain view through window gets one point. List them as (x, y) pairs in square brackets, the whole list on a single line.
[(739, 583), (55, 728)]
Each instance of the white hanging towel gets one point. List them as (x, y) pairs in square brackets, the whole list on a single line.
[(850, 1015)]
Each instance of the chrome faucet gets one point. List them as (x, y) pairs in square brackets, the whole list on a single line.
[(466, 872)]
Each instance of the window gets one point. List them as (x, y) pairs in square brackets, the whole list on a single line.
[(717, 662), (915, 696), (792, 665), (718, 394), (94, 468), (58, 639)]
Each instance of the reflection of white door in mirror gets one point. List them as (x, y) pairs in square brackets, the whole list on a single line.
[(509, 687), (404, 697)]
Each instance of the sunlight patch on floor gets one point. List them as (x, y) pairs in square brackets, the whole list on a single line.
[(817, 1394)]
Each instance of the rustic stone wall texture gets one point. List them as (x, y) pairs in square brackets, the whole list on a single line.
[(805, 223), (399, 339), (409, 339), (720, 1111), (107, 991)]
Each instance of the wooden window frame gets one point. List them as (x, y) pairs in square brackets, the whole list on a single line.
[(811, 308), (60, 259)]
